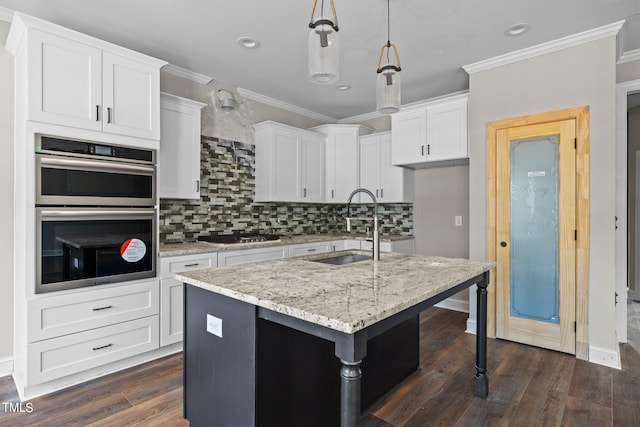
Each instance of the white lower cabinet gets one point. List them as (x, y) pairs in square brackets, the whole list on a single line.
[(405, 246), (57, 315), (171, 292), (243, 256), (172, 311), (69, 354), (310, 249)]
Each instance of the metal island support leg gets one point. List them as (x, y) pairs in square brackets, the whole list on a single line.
[(350, 349), (481, 381), (350, 379)]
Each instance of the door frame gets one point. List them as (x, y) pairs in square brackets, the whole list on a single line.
[(622, 91), (581, 116)]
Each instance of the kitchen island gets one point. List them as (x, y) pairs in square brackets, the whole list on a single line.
[(348, 306)]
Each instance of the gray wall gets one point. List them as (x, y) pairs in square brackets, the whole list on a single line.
[(441, 194), (6, 196), (576, 76)]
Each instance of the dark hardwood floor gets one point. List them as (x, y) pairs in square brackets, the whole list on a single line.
[(528, 387)]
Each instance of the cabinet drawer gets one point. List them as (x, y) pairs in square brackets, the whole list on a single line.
[(309, 249), (66, 314), (252, 255), (171, 265), (59, 357)]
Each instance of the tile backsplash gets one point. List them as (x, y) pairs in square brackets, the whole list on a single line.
[(226, 203)]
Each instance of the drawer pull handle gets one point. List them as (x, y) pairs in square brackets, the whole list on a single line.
[(103, 308), (100, 348), (311, 250), (192, 265)]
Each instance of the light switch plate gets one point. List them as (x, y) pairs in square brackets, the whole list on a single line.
[(458, 220), (214, 325)]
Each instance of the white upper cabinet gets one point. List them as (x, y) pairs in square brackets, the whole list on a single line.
[(433, 132), (343, 160), (290, 164), (179, 156), (131, 96), (312, 167), (390, 184), (65, 81), (78, 81)]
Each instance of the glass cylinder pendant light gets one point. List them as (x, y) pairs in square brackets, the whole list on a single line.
[(388, 85), (323, 46)]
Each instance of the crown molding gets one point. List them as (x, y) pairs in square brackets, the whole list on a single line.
[(628, 56), (6, 14), (186, 74), (361, 118), (544, 48), (245, 93)]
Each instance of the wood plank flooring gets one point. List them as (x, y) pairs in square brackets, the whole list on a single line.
[(527, 387)]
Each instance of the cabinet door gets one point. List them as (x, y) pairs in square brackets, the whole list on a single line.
[(131, 95), (409, 137), (171, 314), (285, 167), (370, 161), (65, 82), (343, 172), (447, 130), (179, 159), (312, 169)]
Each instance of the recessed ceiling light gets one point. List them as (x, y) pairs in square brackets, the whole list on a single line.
[(343, 86), (249, 42), (517, 29)]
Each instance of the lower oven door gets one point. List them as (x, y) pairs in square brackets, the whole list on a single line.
[(78, 247)]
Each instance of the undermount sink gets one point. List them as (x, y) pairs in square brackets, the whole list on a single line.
[(343, 259)]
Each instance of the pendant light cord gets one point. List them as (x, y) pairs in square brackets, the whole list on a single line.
[(388, 31)]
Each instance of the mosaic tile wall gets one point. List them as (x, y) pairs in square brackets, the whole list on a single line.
[(226, 203)]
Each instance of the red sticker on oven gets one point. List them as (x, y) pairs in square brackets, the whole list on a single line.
[(133, 250)]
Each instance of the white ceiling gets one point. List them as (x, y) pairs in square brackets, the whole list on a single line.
[(434, 38)]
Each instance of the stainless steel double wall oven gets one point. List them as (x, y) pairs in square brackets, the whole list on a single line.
[(95, 213)]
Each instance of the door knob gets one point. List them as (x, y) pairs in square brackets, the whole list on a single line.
[(503, 244)]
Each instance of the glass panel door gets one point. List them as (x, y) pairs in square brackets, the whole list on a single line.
[(534, 228)]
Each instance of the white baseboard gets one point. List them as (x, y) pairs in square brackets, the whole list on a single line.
[(454, 304), (605, 357), (6, 366), (471, 326)]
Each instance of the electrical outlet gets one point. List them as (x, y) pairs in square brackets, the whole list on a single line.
[(458, 220), (214, 325)]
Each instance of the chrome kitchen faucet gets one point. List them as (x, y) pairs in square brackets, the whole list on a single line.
[(376, 233)]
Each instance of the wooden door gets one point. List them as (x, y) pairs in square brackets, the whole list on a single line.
[(536, 234)]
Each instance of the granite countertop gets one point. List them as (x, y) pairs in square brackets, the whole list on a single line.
[(346, 298), (188, 248)]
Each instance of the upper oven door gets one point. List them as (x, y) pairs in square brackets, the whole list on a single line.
[(74, 181)]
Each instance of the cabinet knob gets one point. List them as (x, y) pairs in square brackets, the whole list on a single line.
[(503, 244)]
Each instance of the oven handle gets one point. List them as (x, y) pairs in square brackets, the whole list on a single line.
[(95, 165), (57, 213)]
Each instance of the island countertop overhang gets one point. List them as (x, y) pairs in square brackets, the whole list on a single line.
[(346, 298)]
